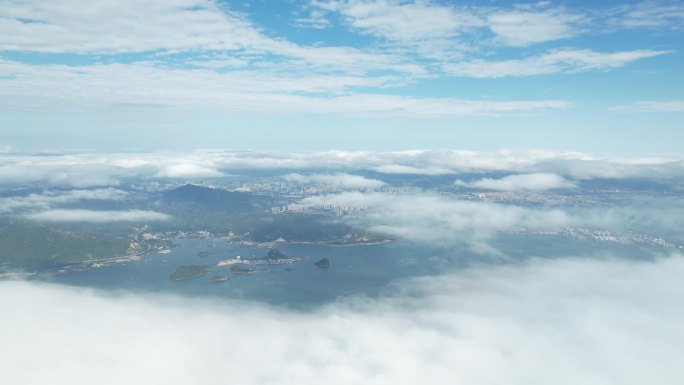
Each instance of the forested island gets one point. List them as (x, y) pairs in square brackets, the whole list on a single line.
[(189, 272)]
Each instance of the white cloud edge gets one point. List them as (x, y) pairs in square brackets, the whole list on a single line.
[(520, 182), (588, 321), (301, 80)]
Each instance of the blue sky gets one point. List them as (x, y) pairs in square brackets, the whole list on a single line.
[(349, 74)]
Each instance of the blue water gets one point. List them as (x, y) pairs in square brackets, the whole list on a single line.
[(356, 270)]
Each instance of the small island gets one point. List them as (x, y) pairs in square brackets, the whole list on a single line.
[(219, 278), (241, 270), (189, 272), (275, 254), (323, 263)]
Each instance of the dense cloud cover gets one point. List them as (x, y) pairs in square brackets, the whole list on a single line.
[(568, 321), (91, 170)]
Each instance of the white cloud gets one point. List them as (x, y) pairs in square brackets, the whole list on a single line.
[(125, 26), (90, 170), (315, 19), (146, 85), (220, 61), (557, 61), (443, 31), (564, 322), (96, 216), (187, 170), (647, 14), (81, 174), (407, 22), (339, 179), (86, 170), (523, 182), (655, 168), (404, 169), (433, 219), (519, 27), (122, 26), (50, 198), (652, 106), (457, 161)]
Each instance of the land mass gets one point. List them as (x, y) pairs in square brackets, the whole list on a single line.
[(189, 272)]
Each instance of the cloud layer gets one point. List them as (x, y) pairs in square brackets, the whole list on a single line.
[(563, 322), (558, 61), (96, 216), (89, 170), (434, 219), (341, 180), (204, 56), (522, 182), (50, 198), (449, 221)]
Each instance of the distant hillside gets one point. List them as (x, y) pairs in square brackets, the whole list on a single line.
[(34, 245), (214, 199)]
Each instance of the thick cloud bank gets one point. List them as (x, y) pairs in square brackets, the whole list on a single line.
[(557, 322)]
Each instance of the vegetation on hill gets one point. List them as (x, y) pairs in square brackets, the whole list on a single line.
[(29, 244)]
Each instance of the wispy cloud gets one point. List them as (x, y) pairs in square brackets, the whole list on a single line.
[(652, 106), (157, 87), (525, 26), (124, 26), (523, 182), (50, 198), (406, 22), (167, 27), (221, 61), (96, 216), (659, 15), (557, 61), (342, 180), (315, 18)]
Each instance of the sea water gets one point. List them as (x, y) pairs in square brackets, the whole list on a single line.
[(356, 270)]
